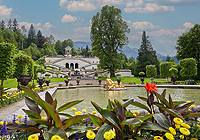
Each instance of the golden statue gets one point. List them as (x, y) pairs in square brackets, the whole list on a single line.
[(110, 85)]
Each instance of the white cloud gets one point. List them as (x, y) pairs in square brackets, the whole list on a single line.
[(177, 2), (140, 7), (144, 25), (68, 18), (5, 12), (168, 32), (133, 37), (188, 25), (44, 28), (73, 6), (112, 2)]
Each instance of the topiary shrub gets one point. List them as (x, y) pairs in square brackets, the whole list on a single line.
[(118, 74)]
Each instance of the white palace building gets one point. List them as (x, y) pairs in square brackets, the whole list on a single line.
[(86, 66)]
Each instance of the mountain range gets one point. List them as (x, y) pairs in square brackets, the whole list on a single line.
[(126, 50)]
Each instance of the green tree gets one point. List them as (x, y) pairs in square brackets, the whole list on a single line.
[(48, 49), (51, 39), (19, 38), (9, 36), (15, 25), (7, 64), (108, 36), (1, 37), (34, 51), (168, 58), (3, 25), (32, 38), (146, 56), (10, 24), (151, 71), (164, 69), (188, 46), (58, 47), (188, 67)]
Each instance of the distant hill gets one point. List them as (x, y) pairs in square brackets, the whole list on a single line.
[(126, 49)]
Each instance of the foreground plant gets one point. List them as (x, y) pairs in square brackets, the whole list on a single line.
[(52, 125)]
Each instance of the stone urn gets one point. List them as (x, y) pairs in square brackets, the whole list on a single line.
[(100, 82), (24, 79), (40, 81), (47, 82), (142, 80), (151, 80), (78, 82), (66, 82), (118, 81), (173, 79)]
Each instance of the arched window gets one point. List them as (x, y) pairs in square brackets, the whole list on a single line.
[(67, 65), (72, 66), (76, 66)]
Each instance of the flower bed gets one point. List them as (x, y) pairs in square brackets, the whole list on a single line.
[(166, 119)]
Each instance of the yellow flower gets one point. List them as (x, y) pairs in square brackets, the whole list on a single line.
[(90, 134), (178, 120), (78, 113), (185, 125), (189, 110), (193, 139), (136, 112), (134, 115), (177, 126), (181, 136), (107, 135), (20, 116), (192, 106), (73, 109), (94, 112), (33, 137), (172, 130), (184, 131), (158, 138), (188, 102), (2, 122), (17, 122), (112, 133), (198, 125), (43, 118), (56, 137), (84, 111), (169, 136)]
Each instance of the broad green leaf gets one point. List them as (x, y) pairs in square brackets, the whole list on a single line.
[(32, 105), (49, 109), (128, 102), (128, 114), (54, 104), (111, 118), (102, 130), (145, 117), (32, 114), (97, 107), (133, 122), (191, 115), (109, 105), (171, 102), (162, 100), (74, 120), (173, 112), (153, 126), (120, 110), (140, 105), (162, 120), (55, 131), (39, 121), (142, 98), (164, 93), (78, 129), (48, 98), (184, 107), (66, 115), (68, 105), (159, 105), (177, 103), (96, 120)]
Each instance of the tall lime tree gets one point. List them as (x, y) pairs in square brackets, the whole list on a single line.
[(108, 36), (188, 46), (146, 55), (7, 51), (164, 69)]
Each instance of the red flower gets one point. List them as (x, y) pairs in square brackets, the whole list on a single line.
[(150, 87)]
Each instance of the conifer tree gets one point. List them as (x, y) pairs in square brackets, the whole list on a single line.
[(3, 25), (10, 24), (32, 38), (15, 26), (146, 56)]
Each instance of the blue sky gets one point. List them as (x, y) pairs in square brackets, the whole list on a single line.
[(163, 20)]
